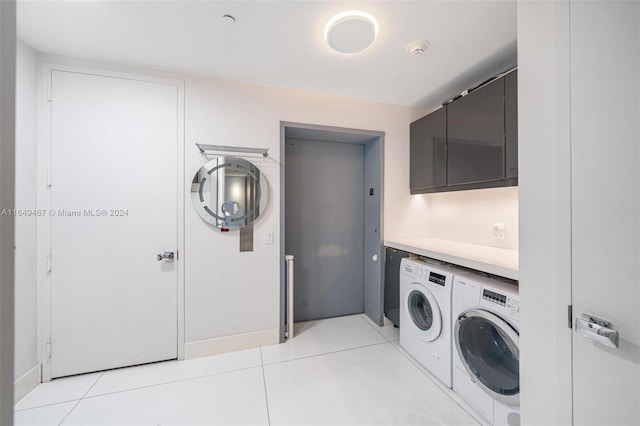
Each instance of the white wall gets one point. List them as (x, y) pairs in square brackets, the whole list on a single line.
[(223, 295), (544, 178), (231, 293), (26, 302), (228, 292), (468, 216)]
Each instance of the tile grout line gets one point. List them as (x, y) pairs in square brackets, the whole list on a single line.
[(424, 373), (137, 388), (213, 374), (331, 352), (264, 383), (44, 405), (186, 379), (376, 329), (80, 400)]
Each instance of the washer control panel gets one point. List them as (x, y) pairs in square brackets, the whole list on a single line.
[(408, 268), (437, 278), (428, 274), (494, 297), (413, 269)]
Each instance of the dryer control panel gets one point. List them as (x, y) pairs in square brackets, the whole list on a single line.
[(505, 303)]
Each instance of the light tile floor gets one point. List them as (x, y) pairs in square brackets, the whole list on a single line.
[(338, 371)]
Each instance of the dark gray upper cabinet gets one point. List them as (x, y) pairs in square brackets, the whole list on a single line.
[(469, 144), (475, 136), (511, 123), (428, 151)]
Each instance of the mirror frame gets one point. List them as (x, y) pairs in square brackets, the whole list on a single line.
[(204, 209)]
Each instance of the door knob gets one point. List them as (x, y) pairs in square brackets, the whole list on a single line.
[(167, 255), (597, 330)]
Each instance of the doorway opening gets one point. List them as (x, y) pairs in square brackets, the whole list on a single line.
[(331, 221)]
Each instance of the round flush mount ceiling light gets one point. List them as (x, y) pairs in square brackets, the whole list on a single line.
[(351, 32)]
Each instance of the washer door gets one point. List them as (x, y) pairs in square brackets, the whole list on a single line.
[(423, 312), (489, 350)]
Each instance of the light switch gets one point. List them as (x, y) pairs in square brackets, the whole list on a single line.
[(268, 238)]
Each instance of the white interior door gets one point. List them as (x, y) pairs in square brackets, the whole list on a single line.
[(605, 135), (114, 207)]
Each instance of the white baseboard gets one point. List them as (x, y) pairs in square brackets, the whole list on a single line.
[(27, 382), (231, 343)]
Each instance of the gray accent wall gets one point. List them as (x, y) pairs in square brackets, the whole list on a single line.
[(324, 209), (373, 269), (372, 145), (7, 194)]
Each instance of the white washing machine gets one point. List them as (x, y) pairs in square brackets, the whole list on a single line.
[(425, 314), (486, 354)]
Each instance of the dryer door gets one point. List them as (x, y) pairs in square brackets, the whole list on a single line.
[(422, 312), (489, 350)]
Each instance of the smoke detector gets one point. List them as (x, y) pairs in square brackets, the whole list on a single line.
[(351, 32), (417, 48)]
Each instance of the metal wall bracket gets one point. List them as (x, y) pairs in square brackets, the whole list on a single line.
[(233, 149)]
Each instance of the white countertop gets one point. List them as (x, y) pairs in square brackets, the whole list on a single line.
[(496, 261)]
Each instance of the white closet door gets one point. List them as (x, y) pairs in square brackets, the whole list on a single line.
[(605, 140), (114, 159)]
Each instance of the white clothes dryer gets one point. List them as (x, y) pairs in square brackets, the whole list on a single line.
[(425, 314), (486, 354)]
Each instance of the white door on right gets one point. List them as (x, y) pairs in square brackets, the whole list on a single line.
[(605, 142)]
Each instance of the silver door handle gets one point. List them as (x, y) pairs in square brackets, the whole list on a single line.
[(597, 330), (167, 255)]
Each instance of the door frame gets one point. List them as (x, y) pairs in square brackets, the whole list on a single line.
[(44, 203), (283, 280)]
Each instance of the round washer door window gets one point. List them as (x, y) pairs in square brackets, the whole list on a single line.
[(423, 312), (489, 349)]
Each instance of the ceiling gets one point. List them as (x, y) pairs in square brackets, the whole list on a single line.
[(281, 43)]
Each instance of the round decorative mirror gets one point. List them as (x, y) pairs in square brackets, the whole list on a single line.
[(229, 192)]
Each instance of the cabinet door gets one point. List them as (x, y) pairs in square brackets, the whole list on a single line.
[(392, 284), (475, 130), (392, 293), (428, 151), (511, 123)]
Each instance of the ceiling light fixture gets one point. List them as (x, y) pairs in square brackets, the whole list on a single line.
[(351, 32)]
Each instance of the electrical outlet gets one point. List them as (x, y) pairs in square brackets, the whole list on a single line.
[(499, 231)]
